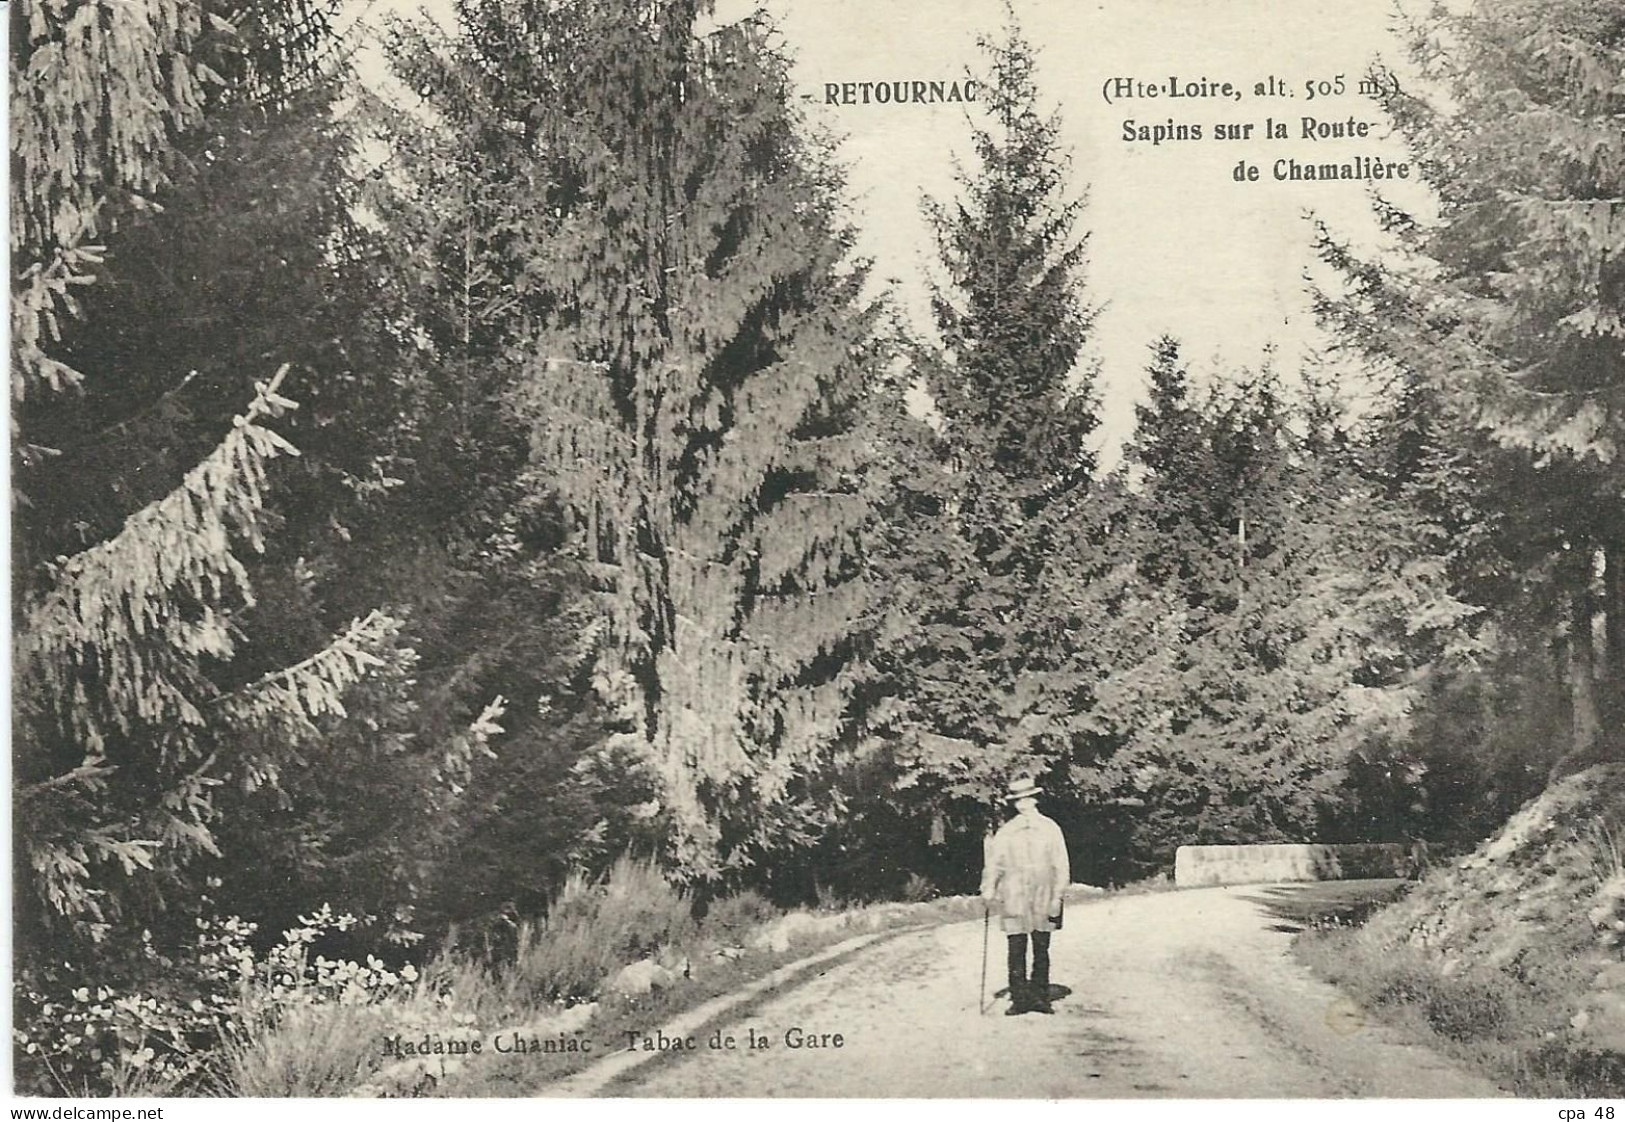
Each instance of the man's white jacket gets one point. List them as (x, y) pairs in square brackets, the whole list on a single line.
[(1025, 872)]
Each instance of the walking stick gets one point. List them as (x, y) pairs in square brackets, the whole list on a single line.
[(981, 994)]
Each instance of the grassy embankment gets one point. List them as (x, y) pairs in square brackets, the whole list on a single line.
[(1509, 959)]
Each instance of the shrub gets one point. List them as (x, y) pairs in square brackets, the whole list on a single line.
[(1602, 845), (1397, 979), (592, 929), (307, 1025), (288, 1022), (305, 1052), (1467, 1008), (730, 919), (75, 1035), (918, 889), (1607, 915), (1556, 1068), (830, 900), (476, 987)]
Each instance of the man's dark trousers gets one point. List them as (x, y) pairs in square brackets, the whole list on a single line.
[(1020, 992)]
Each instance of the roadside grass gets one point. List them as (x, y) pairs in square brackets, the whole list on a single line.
[(617, 1017), (593, 929), (730, 921), (1512, 958), (560, 963), (1510, 1024), (1158, 882), (313, 1051)]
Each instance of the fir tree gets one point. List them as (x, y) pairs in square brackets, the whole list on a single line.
[(135, 719), (1182, 495), (1297, 616), (695, 354), (991, 535), (1507, 339)]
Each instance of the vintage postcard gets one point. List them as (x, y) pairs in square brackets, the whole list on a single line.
[(945, 549)]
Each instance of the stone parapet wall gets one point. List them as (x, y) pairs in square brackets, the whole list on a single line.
[(1200, 866)]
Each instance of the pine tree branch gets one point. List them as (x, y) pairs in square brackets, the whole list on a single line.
[(352, 644), (112, 606), (101, 436), (90, 771), (1515, 384)]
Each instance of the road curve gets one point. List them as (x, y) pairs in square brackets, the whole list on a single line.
[(1189, 994)]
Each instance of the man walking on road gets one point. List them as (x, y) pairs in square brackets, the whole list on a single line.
[(1024, 877)]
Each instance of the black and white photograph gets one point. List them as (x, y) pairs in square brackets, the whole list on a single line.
[(925, 549)]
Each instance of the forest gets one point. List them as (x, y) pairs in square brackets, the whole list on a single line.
[(421, 504)]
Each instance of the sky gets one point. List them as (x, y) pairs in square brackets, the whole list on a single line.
[(1176, 244)]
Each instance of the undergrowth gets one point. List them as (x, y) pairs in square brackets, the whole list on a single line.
[(295, 1022), (1509, 1021)]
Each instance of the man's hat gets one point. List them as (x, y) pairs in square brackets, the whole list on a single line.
[(1022, 789)]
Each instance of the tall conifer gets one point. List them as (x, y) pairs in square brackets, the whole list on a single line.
[(1509, 336), (1297, 614), (992, 534), (131, 707), (697, 353)]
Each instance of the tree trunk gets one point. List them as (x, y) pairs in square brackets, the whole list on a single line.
[(1584, 721), (1611, 659), (1582, 675), (1612, 664)]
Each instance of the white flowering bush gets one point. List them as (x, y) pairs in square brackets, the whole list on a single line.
[(75, 1036), (209, 1001), (314, 1026), (291, 974)]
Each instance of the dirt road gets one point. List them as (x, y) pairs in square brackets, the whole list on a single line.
[(1183, 994)]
